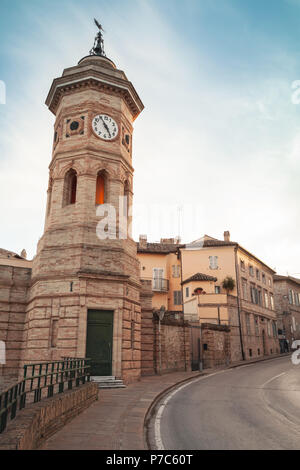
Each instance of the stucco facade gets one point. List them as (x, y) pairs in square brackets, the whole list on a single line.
[(287, 303), (248, 309)]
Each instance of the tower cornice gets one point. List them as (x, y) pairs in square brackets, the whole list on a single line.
[(89, 77), (93, 153)]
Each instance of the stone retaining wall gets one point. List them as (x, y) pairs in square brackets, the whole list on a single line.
[(38, 422)]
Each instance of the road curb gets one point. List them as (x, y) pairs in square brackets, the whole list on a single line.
[(150, 411)]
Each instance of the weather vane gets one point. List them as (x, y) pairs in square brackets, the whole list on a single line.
[(98, 48)]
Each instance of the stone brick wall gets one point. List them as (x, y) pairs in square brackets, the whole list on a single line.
[(175, 346), (38, 422), (14, 284), (147, 329), (216, 345), (163, 351)]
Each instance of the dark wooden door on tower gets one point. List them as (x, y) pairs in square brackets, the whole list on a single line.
[(99, 341)]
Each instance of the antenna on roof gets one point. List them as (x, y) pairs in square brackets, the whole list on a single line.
[(179, 209)]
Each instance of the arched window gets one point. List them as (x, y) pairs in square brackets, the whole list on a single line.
[(70, 187), (101, 188)]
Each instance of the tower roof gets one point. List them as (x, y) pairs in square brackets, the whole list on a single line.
[(95, 72)]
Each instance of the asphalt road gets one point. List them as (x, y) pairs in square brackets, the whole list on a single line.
[(250, 407)]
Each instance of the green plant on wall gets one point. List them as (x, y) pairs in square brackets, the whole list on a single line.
[(228, 284)]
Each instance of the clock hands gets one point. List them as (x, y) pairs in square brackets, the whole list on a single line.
[(105, 125), (107, 130)]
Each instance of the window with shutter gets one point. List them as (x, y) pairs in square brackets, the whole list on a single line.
[(266, 299), (248, 326), (176, 271), (213, 262), (158, 274), (177, 297)]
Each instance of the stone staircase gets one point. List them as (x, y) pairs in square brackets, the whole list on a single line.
[(108, 382)]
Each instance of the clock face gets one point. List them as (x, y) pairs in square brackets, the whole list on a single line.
[(105, 127)]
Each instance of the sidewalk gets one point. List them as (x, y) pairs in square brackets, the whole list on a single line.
[(116, 420)]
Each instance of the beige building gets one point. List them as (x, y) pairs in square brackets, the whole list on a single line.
[(160, 263), (203, 265)]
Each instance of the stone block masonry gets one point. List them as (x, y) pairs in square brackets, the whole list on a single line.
[(216, 345), (35, 424), (171, 346), (14, 285)]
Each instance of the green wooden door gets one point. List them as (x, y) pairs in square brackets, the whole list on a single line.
[(99, 341)]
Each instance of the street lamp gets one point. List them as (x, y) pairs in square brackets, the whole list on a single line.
[(160, 313), (199, 291)]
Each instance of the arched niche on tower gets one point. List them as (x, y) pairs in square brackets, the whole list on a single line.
[(102, 183), (70, 187)]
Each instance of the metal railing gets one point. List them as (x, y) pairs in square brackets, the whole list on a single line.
[(160, 284), (40, 381)]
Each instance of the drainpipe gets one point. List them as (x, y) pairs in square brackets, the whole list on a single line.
[(200, 345), (179, 256), (159, 346), (238, 301)]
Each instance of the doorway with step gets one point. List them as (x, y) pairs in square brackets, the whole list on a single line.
[(99, 341)]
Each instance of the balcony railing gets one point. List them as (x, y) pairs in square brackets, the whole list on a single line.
[(160, 285)]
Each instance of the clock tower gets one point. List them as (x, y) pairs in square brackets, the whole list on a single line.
[(84, 299)]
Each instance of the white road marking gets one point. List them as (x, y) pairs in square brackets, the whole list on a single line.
[(157, 433), (273, 378)]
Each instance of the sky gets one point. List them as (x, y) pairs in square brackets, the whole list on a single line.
[(217, 146)]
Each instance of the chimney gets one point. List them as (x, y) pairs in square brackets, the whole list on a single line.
[(143, 241), (24, 254), (167, 241), (227, 236)]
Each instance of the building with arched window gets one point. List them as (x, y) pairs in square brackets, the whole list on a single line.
[(101, 187)]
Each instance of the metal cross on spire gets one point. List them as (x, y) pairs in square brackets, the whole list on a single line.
[(98, 48)]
